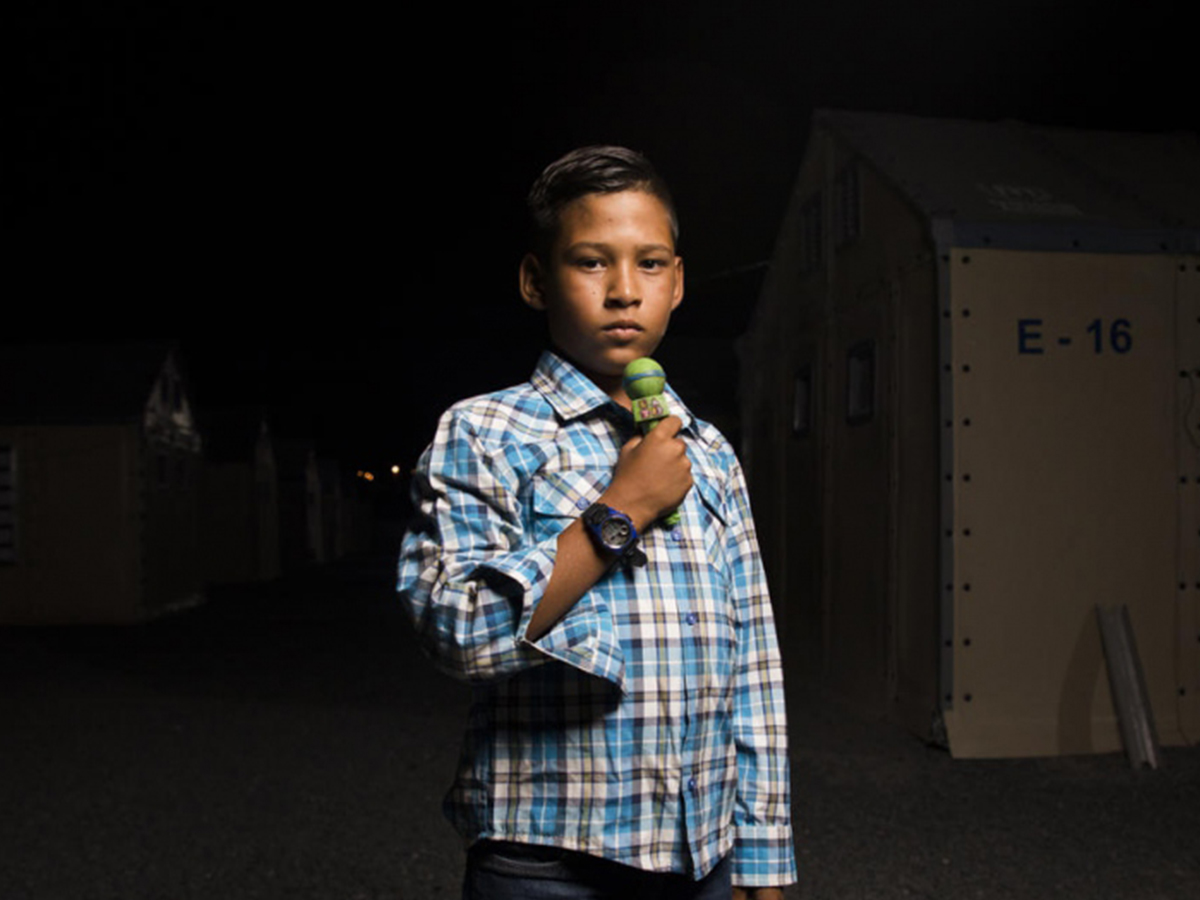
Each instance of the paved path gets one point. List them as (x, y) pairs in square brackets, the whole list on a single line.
[(290, 742)]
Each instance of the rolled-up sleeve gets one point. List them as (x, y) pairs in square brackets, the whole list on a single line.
[(763, 853), (471, 573)]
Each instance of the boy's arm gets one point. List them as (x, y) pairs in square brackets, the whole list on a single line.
[(763, 850), (466, 563), (653, 475), (469, 575)]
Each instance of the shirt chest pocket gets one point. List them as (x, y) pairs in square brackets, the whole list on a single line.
[(705, 525), (558, 498)]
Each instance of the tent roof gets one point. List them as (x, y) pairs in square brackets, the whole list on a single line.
[(1014, 184), (79, 383)]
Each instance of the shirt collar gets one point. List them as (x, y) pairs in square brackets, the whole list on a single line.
[(572, 394)]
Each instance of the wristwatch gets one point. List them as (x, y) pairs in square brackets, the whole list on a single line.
[(614, 534)]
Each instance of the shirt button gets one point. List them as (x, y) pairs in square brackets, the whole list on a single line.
[(692, 618), (581, 503), (692, 785), (677, 534)]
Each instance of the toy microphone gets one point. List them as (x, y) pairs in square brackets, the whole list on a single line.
[(645, 383)]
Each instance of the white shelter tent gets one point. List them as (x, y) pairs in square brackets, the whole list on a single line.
[(970, 396)]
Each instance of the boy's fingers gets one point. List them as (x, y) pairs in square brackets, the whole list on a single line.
[(669, 426)]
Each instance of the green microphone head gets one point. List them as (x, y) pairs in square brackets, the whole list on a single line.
[(644, 378)]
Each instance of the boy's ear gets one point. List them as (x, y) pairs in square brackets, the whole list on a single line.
[(532, 282), (678, 284)]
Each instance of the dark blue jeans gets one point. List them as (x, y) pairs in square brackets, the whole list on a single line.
[(498, 870)]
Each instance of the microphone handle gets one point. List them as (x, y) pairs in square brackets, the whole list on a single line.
[(648, 412)]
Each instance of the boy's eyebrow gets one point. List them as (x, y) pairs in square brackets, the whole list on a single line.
[(601, 245)]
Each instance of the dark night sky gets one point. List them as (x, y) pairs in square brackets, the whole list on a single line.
[(324, 202)]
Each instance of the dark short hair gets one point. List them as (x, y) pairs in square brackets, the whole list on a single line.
[(590, 170)]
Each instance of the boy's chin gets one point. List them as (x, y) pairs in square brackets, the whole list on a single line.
[(613, 367), (608, 365)]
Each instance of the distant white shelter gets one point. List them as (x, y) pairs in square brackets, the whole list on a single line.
[(301, 522), (99, 464), (334, 510), (240, 515), (971, 407)]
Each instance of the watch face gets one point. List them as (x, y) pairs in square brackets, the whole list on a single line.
[(615, 532)]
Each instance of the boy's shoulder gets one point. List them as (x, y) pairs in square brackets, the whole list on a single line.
[(518, 412), (712, 440)]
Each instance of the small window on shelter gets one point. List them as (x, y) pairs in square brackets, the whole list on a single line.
[(802, 402), (860, 382), (847, 206)]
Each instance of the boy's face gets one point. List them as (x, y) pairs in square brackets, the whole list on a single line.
[(609, 283)]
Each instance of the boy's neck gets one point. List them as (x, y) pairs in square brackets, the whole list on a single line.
[(612, 385)]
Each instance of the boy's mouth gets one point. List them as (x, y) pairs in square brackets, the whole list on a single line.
[(626, 328)]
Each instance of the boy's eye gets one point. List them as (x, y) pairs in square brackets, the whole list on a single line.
[(589, 262), (654, 263)]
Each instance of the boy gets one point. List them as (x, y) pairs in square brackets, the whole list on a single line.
[(627, 735)]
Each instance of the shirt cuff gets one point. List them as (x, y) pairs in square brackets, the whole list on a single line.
[(530, 570), (583, 638), (763, 856)]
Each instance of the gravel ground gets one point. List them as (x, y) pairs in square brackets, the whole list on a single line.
[(289, 741)]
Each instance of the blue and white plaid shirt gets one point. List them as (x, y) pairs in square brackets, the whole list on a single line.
[(648, 725)]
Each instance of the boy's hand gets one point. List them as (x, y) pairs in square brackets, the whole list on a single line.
[(760, 893), (653, 475)]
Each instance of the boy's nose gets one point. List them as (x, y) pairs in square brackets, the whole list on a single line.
[(622, 288)]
